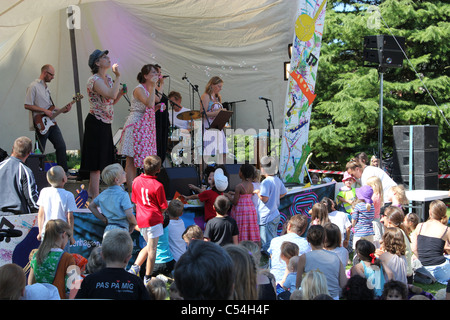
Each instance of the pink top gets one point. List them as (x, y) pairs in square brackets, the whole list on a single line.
[(377, 205)]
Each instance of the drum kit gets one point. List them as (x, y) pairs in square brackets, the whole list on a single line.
[(183, 136), (182, 140)]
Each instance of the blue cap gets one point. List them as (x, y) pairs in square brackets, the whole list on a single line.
[(95, 56)]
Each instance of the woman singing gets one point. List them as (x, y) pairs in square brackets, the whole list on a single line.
[(214, 141), (103, 92), (139, 134)]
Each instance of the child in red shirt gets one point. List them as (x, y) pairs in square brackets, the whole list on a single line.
[(218, 183), (150, 199)]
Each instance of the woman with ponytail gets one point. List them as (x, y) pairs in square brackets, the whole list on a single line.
[(138, 138), (50, 263)]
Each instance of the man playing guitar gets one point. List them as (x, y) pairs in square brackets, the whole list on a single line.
[(39, 101)]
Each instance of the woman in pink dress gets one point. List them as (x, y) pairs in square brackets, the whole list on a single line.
[(138, 138), (244, 211)]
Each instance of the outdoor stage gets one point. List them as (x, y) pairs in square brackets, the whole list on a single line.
[(88, 229)]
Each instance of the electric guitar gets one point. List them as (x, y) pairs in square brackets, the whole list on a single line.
[(43, 123)]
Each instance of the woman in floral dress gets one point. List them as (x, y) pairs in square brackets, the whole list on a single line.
[(139, 133)]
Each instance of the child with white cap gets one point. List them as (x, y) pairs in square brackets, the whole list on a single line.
[(219, 183)]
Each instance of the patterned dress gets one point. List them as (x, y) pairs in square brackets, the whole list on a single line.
[(138, 138), (214, 141), (244, 213)]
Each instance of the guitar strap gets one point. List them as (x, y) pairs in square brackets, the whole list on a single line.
[(51, 100)]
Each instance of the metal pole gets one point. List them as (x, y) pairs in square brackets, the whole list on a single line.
[(75, 77), (380, 132)]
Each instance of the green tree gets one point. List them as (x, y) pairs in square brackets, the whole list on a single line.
[(345, 114)]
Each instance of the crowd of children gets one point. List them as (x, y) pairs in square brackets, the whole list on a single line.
[(222, 258)]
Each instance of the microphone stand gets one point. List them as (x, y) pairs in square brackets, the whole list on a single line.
[(269, 121), (195, 88)]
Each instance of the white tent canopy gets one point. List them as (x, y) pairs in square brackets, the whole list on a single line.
[(243, 42)]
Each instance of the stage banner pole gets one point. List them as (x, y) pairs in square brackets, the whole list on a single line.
[(300, 92)]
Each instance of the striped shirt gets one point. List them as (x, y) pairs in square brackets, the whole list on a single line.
[(19, 193), (364, 219)]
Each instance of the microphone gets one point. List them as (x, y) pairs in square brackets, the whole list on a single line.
[(124, 87), (266, 99), (184, 77), (166, 76)]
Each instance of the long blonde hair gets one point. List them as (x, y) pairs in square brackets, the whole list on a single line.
[(399, 194), (53, 230), (314, 283), (213, 81), (376, 185)]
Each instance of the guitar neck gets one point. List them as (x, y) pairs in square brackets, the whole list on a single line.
[(57, 113)]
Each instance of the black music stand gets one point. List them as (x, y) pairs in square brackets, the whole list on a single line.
[(221, 119)]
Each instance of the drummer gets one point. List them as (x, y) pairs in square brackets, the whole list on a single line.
[(175, 102)]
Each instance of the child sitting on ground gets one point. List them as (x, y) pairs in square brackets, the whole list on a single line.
[(289, 283), (192, 232), (114, 282)]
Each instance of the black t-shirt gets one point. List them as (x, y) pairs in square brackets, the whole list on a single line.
[(221, 230), (113, 283)]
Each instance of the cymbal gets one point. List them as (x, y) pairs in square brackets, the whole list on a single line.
[(189, 115)]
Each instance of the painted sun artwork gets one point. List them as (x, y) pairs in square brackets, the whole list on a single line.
[(300, 92)]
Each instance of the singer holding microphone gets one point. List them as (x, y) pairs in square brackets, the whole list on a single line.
[(98, 145), (214, 141), (138, 138)]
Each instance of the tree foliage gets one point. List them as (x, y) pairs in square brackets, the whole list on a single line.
[(345, 114)]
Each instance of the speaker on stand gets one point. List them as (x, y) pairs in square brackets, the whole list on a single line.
[(383, 52)]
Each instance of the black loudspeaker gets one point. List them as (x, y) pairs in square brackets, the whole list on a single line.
[(424, 137), (384, 51), (178, 179), (36, 163), (425, 152), (424, 161)]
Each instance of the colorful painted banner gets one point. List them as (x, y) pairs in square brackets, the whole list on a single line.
[(301, 200), (300, 94)]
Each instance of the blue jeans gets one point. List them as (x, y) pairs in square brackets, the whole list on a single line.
[(440, 272), (55, 136), (267, 232)]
